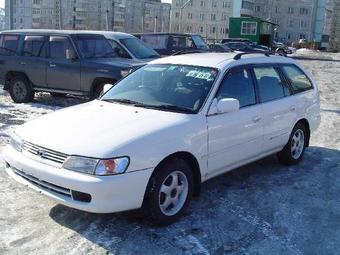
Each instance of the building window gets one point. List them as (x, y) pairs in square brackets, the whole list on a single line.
[(248, 28), (189, 15), (201, 29), (213, 17), (177, 15), (290, 10), (201, 16), (214, 4), (257, 8), (304, 11)]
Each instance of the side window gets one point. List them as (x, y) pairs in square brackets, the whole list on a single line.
[(239, 85), (8, 45), (59, 45), (118, 50), (34, 46), (298, 79), (157, 42), (269, 83)]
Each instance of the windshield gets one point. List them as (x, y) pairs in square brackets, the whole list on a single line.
[(138, 49), (199, 42), (178, 88), (94, 46)]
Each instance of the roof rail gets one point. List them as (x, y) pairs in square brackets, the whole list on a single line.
[(239, 55)]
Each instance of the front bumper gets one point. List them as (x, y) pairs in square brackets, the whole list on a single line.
[(107, 193)]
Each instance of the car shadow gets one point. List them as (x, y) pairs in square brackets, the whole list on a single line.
[(245, 206)]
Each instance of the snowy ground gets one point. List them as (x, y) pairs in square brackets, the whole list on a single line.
[(262, 208)]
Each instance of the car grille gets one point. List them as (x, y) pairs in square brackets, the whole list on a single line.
[(43, 184), (50, 155)]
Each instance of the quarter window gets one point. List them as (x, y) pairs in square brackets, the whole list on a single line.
[(34, 46), (8, 45), (239, 85), (298, 79), (270, 84)]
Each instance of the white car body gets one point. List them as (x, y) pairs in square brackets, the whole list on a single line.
[(218, 142)]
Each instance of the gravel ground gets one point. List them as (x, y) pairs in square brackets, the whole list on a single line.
[(262, 208)]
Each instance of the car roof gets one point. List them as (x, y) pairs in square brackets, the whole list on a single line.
[(164, 33), (221, 60), (67, 32)]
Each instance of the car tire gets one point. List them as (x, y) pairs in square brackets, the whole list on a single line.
[(55, 94), (20, 90), (294, 150), (169, 192)]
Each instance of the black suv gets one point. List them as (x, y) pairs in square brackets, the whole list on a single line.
[(59, 62), (167, 44)]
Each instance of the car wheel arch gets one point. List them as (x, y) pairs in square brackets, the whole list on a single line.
[(100, 80), (13, 74), (193, 163), (305, 122)]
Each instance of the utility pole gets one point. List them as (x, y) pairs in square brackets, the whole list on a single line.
[(155, 25), (107, 20), (181, 14)]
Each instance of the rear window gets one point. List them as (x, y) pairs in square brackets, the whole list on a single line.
[(8, 45), (298, 79), (157, 42)]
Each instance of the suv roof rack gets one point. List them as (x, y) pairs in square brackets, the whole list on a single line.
[(188, 51), (239, 55)]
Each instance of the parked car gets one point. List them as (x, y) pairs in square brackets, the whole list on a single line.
[(250, 43), (154, 137), (59, 62), (244, 47), (218, 47), (282, 49), (170, 43), (130, 47)]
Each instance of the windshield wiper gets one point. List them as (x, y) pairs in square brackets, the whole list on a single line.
[(169, 107), (123, 101)]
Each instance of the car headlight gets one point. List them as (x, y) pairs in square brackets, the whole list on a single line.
[(97, 166), (16, 142)]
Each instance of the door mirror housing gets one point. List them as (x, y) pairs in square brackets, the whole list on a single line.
[(226, 105), (71, 55)]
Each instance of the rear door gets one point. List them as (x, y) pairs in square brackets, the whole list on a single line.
[(62, 73), (33, 59), (279, 109)]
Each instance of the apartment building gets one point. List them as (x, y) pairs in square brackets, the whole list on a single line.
[(208, 18), (296, 18), (2, 19), (334, 39), (120, 15)]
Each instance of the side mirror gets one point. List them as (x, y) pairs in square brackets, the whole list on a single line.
[(71, 55), (106, 88), (226, 105)]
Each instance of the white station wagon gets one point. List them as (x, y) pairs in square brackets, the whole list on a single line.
[(153, 138)]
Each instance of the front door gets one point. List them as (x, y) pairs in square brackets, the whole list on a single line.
[(62, 73), (237, 136)]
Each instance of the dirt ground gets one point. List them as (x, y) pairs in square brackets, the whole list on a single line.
[(262, 208)]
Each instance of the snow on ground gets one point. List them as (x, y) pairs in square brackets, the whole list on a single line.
[(261, 208)]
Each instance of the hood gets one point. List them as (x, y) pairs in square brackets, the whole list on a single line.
[(97, 129), (115, 62)]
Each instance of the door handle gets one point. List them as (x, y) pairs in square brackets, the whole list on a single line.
[(256, 119), (292, 108), (53, 65), (22, 63)]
